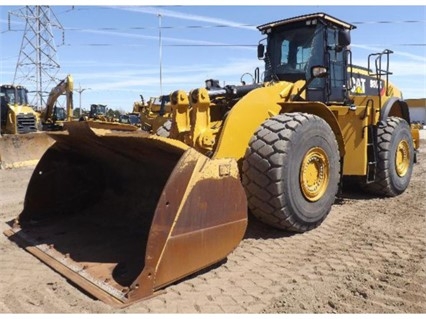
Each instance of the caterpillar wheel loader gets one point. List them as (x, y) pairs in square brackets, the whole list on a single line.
[(21, 143), (143, 211), (155, 115), (98, 118)]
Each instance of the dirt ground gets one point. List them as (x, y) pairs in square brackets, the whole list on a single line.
[(369, 256)]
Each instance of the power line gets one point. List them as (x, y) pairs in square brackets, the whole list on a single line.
[(389, 22), (217, 26), (221, 45), (225, 26)]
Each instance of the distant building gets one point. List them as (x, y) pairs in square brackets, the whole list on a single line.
[(417, 110)]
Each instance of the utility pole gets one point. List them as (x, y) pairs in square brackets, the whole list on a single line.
[(79, 91), (161, 54), (37, 66)]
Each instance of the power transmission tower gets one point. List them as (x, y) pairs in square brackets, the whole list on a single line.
[(37, 66)]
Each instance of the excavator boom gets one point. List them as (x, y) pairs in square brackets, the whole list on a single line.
[(65, 86)]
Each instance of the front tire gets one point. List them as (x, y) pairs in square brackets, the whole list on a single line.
[(291, 171)]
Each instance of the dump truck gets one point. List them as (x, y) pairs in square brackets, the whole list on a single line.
[(123, 214), (21, 142)]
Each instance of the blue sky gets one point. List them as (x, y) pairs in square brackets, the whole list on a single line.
[(114, 51)]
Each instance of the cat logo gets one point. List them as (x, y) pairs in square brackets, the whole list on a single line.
[(358, 85)]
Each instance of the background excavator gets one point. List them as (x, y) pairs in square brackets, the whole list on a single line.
[(54, 117), (143, 211)]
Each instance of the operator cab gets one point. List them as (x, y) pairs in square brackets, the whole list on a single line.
[(294, 46), (11, 95), (59, 114), (97, 110), (7, 96)]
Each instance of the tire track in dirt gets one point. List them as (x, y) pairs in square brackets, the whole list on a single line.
[(269, 262), (367, 257), (377, 251), (12, 193), (29, 286)]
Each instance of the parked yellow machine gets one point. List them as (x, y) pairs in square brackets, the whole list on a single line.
[(17, 116), (155, 114), (131, 119), (20, 142), (53, 117), (97, 117), (142, 212)]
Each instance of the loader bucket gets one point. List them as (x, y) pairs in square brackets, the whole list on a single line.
[(21, 150), (123, 214)]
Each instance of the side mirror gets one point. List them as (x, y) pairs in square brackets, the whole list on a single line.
[(260, 51), (344, 38), (319, 71)]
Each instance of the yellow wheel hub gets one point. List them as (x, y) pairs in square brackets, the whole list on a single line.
[(314, 174), (402, 158)]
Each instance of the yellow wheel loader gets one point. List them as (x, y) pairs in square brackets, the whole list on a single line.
[(17, 116), (20, 142), (98, 118), (124, 214), (155, 115)]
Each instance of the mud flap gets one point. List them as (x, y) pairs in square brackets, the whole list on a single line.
[(124, 214)]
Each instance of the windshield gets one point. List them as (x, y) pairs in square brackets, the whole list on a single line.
[(101, 109), (22, 96), (124, 119), (295, 50), (291, 52), (60, 114), (9, 95), (134, 119), (98, 109)]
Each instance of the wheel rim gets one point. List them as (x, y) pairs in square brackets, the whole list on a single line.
[(314, 174), (402, 158)]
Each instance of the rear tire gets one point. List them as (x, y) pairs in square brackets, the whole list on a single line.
[(291, 171), (395, 158)]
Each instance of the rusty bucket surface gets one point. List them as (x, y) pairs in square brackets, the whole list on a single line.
[(123, 214)]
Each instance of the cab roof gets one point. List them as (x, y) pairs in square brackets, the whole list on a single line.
[(307, 17)]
